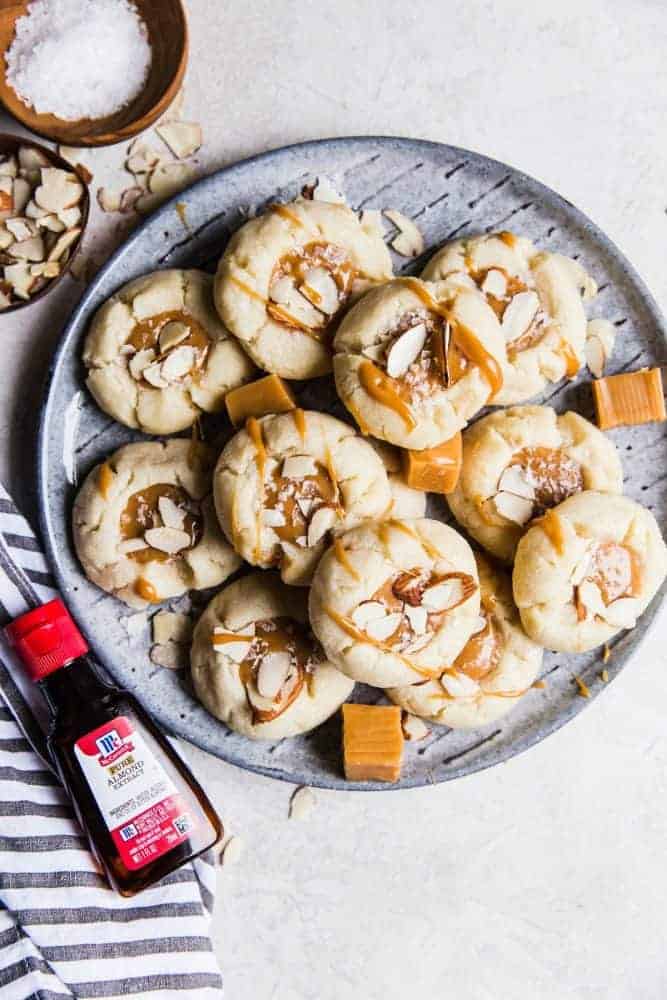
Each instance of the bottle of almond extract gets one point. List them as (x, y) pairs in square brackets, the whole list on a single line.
[(143, 811)]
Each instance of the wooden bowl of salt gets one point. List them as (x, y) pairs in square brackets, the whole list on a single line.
[(167, 31)]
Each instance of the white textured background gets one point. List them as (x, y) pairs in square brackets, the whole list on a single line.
[(545, 878)]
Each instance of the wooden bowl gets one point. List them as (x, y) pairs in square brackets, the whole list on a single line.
[(10, 144), (168, 35)]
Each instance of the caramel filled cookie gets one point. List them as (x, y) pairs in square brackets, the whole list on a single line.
[(286, 276), (144, 523), (414, 361), (392, 602), (587, 570), (256, 664), (497, 665), (286, 483), (157, 354), (518, 463), (537, 297)]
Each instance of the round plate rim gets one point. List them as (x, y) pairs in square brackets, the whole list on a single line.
[(521, 744)]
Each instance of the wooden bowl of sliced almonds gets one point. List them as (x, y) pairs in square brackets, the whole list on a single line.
[(44, 206)]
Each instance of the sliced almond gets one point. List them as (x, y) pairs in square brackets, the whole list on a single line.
[(45, 269), (232, 851), (58, 190), (141, 157), (183, 138), (147, 203), (495, 283), (368, 611), (303, 311), (517, 509), (168, 179), (600, 336), (405, 350), (172, 334), (178, 363), (172, 655), (382, 628), (273, 518), (29, 249), (622, 613), (109, 201), (321, 290), (272, 674), (6, 238), (444, 595), (409, 242), (371, 220), (515, 480), (132, 545), (325, 190), (21, 192), (63, 243), (52, 222), (32, 159), (8, 166), (322, 521), (478, 625), (21, 229), (418, 618), (413, 727), (153, 375), (298, 467), (591, 598), (129, 198), (282, 290), (302, 803), (519, 314), (33, 211), (375, 352), (172, 515), (169, 540), (140, 362), (459, 685), (302, 541), (305, 505), (21, 280), (171, 626)]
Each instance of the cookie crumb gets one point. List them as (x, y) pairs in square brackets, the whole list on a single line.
[(604, 676), (606, 654), (539, 684), (584, 691)]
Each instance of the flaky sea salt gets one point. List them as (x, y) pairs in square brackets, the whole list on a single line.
[(78, 58)]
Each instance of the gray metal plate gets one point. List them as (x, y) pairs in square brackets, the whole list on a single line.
[(448, 192)]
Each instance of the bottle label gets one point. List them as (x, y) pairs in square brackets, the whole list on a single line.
[(141, 806)]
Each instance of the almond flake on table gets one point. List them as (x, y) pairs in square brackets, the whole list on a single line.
[(409, 242), (302, 803), (182, 138), (231, 851)]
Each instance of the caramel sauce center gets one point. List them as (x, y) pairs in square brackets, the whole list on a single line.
[(141, 513)]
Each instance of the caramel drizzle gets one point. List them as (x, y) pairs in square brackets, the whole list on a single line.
[(552, 526), (105, 478), (299, 418), (348, 626), (146, 590), (462, 337), (282, 315), (247, 289), (428, 548), (509, 239), (380, 388), (363, 427), (284, 212), (340, 555), (254, 430), (570, 358), (222, 638)]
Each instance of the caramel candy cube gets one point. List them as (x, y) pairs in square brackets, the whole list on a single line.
[(434, 470), (372, 742), (628, 400), (256, 399)]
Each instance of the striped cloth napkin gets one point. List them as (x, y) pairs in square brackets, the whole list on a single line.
[(63, 932)]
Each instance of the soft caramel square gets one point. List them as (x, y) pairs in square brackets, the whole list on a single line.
[(434, 470), (257, 399), (372, 742), (629, 399)]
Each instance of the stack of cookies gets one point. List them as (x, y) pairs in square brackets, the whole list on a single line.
[(351, 580)]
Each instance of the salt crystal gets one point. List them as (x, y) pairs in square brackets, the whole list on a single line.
[(79, 58)]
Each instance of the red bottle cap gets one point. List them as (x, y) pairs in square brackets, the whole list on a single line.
[(46, 639)]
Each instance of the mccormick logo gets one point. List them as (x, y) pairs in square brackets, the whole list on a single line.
[(111, 746)]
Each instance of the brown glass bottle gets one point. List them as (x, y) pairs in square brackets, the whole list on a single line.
[(142, 809)]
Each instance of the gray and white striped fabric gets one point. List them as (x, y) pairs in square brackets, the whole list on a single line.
[(63, 932)]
